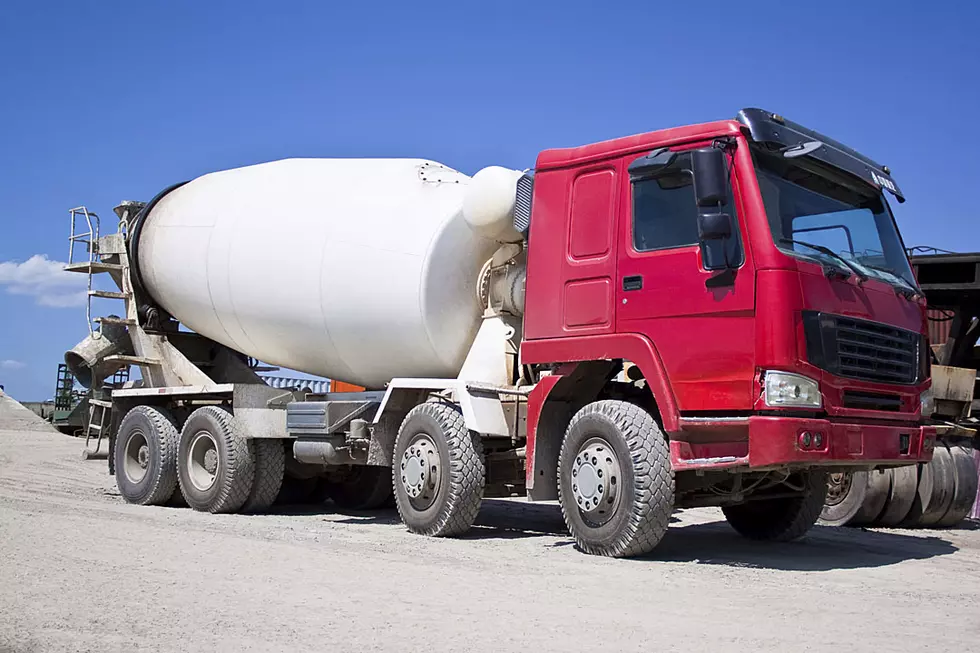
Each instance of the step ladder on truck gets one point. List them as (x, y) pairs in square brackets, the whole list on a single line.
[(90, 253)]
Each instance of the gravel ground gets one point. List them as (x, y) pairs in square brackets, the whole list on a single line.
[(81, 570)]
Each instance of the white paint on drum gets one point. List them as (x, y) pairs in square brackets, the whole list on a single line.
[(356, 269)]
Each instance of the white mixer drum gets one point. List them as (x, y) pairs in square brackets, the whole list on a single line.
[(355, 269)]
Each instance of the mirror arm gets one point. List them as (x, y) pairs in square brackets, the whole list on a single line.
[(725, 143)]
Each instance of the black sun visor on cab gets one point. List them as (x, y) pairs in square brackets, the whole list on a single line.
[(796, 140)]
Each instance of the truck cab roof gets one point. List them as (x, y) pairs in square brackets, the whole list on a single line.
[(569, 156)]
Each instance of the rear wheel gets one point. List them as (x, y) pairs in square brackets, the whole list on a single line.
[(439, 471), (300, 491), (145, 456), (270, 462), (615, 482), (784, 519), (360, 488), (965, 491), (216, 465)]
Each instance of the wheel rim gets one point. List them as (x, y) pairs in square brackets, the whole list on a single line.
[(596, 478), (838, 487), (202, 460), (421, 469), (137, 456)]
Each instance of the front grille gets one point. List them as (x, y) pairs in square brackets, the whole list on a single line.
[(871, 401), (861, 349), (876, 352)]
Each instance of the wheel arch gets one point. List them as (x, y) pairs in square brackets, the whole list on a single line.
[(579, 379)]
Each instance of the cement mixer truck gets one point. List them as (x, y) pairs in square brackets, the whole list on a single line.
[(711, 315)]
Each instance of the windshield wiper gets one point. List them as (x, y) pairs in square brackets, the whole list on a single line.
[(907, 290), (829, 252)]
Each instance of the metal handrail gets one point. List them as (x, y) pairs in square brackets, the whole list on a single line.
[(91, 239)]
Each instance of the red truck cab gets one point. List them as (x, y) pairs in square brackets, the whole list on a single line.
[(750, 276)]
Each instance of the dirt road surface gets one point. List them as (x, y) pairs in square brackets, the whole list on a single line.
[(80, 570)]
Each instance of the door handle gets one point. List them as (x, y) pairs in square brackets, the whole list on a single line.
[(634, 282)]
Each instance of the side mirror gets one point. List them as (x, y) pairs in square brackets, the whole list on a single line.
[(710, 177), (714, 226)]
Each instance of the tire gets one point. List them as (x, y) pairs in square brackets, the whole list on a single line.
[(965, 492), (270, 463), (216, 466), (780, 520), (433, 435), (846, 492), (876, 495), (362, 488), (616, 457), (923, 496), (901, 496), (943, 486), (145, 456)]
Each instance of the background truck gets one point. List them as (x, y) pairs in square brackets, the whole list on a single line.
[(942, 492), (718, 314)]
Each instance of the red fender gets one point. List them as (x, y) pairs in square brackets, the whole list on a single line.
[(627, 346)]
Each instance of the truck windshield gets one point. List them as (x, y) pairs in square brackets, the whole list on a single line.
[(811, 208)]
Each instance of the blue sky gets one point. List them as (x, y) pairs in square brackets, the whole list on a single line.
[(105, 101)]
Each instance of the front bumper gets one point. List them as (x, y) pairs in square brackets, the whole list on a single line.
[(776, 441), (768, 441)]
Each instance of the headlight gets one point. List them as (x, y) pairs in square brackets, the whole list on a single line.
[(928, 401), (787, 389)]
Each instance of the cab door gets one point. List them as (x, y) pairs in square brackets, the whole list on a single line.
[(700, 319)]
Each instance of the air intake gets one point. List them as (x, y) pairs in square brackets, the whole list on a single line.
[(522, 207), (861, 349)]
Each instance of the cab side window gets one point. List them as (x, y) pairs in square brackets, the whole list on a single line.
[(665, 211), (665, 214)]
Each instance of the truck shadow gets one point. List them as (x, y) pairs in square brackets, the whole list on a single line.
[(824, 548), (498, 519)]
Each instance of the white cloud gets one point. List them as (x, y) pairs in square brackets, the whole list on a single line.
[(44, 280), (8, 364)]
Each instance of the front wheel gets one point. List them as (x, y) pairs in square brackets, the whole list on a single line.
[(784, 519), (615, 482)]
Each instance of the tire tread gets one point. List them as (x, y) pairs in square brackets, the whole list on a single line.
[(270, 465), (165, 430), (236, 484), (467, 471), (653, 479), (792, 524)]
